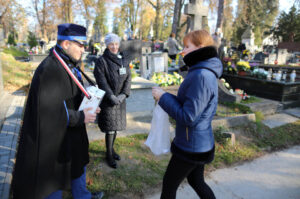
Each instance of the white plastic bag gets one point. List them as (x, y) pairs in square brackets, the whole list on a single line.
[(159, 137)]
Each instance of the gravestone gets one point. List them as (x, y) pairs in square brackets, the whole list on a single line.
[(153, 63), (134, 48), (270, 59), (248, 39), (198, 12), (282, 56), (225, 95)]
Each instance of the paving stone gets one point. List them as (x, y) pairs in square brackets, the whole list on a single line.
[(279, 120)]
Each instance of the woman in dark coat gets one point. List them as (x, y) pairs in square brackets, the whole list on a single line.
[(193, 109), (113, 75)]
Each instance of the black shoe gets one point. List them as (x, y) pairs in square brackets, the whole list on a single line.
[(116, 156), (111, 162), (97, 195)]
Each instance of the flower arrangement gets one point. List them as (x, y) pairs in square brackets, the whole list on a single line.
[(237, 91), (226, 84), (231, 68), (243, 66), (246, 52), (260, 73), (135, 64), (163, 79), (133, 73)]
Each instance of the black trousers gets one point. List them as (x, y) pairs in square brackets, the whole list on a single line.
[(177, 171)]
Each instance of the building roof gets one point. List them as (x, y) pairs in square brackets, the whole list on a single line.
[(290, 46)]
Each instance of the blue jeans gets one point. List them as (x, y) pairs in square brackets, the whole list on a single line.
[(79, 190)]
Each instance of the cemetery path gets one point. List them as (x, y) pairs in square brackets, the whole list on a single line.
[(275, 176)]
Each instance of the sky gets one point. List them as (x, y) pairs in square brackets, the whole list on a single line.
[(284, 5)]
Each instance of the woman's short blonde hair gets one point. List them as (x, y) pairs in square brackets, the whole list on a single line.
[(199, 37)]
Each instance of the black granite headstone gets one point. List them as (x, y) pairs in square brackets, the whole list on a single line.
[(134, 48), (225, 95)]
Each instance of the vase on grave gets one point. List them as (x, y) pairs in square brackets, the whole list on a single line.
[(242, 73)]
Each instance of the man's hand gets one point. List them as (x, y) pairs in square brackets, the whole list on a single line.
[(88, 116)]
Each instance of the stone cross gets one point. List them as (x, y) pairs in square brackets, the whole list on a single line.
[(198, 12)]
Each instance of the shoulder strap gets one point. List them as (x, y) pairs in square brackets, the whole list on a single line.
[(71, 74), (87, 78)]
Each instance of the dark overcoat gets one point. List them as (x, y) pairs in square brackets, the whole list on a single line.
[(107, 73), (53, 143)]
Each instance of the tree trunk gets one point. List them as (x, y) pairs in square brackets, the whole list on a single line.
[(89, 28), (158, 8), (176, 17), (220, 15)]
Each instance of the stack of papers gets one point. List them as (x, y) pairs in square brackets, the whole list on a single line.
[(96, 98)]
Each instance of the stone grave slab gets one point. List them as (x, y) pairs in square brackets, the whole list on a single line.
[(280, 119), (293, 111)]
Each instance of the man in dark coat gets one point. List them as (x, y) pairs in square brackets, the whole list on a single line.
[(53, 144), (113, 75)]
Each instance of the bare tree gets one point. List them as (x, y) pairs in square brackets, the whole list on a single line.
[(66, 10), (4, 13), (157, 8), (41, 15)]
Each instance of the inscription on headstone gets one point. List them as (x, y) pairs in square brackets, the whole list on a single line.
[(145, 62), (153, 63)]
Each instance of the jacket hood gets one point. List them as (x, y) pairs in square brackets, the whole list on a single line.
[(206, 57)]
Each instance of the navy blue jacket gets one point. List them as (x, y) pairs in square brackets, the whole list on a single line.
[(196, 103)]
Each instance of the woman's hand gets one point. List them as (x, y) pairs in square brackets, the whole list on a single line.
[(157, 92)]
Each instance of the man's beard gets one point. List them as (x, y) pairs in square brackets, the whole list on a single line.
[(74, 60)]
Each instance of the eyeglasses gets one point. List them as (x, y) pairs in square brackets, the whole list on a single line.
[(78, 44)]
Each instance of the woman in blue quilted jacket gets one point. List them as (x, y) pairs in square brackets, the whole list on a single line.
[(193, 109)]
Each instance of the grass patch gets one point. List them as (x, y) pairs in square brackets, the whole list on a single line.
[(16, 74), (250, 100), (227, 109), (259, 116), (15, 52), (140, 172)]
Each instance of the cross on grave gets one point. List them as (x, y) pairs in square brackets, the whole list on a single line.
[(197, 11)]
